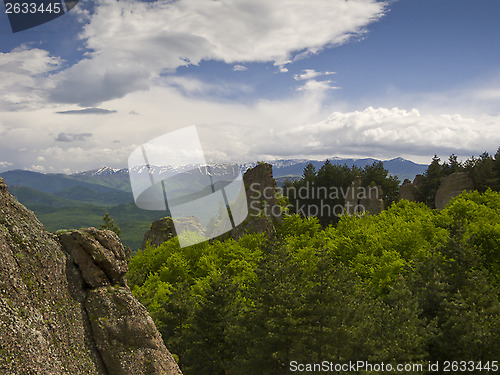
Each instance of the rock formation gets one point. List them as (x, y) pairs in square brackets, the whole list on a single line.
[(418, 180), (360, 199), (65, 307), (263, 210), (260, 187), (163, 229), (452, 186), (407, 191)]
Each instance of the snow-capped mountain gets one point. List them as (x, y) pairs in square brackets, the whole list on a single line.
[(115, 177)]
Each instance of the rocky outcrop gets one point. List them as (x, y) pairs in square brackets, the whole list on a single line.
[(452, 186), (361, 199), (260, 188), (407, 191), (65, 307), (125, 334), (418, 180), (163, 229), (261, 194)]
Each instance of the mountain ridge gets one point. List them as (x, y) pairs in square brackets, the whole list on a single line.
[(104, 178)]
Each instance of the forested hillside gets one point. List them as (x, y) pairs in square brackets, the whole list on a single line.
[(411, 284)]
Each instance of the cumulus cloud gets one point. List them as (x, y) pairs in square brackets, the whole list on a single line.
[(132, 41), (69, 137), (21, 76), (312, 84), (87, 111), (377, 131), (297, 126)]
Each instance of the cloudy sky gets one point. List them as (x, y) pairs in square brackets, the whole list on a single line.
[(263, 79)]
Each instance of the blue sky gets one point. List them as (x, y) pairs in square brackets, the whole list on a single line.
[(267, 80)]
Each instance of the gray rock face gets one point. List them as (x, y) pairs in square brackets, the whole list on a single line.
[(260, 187), (418, 180), (360, 199), (452, 186), (263, 210), (372, 203), (125, 334), (407, 191), (163, 229), (64, 304)]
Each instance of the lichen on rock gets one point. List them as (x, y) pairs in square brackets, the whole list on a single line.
[(51, 287)]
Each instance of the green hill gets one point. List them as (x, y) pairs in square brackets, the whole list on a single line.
[(85, 194), (47, 183)]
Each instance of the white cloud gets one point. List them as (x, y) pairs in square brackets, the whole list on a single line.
[(37, 168), (310, 74), (21, 76), (193, 86), (134, 41), (293, 127), (313, 85), (239, 68), (392, 132)]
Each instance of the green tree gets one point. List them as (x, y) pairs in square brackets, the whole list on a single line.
[(277, 296), (454, 165), (109, 224), (484, 173), (212, 338), (431, 181), (309, 173), (376, 174)]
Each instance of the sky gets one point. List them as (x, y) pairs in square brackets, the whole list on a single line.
[(263, 80)]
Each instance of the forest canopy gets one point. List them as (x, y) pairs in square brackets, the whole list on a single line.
[(411, 284)]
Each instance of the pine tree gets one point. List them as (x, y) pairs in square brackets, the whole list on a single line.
[(109, 224)]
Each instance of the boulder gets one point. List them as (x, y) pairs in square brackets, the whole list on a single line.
[(373, 202), (418, 180)]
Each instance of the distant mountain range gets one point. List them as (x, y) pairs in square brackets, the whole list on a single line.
[(81, 199), (402, 168)]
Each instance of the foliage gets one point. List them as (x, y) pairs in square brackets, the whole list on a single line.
[(109, 224), (328, 187), (484, 172), (411, 284)]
